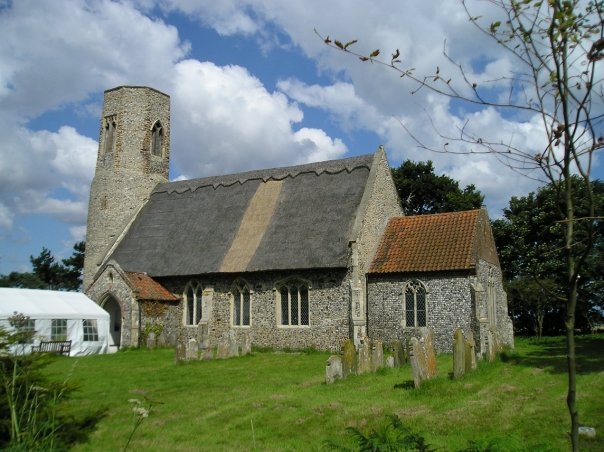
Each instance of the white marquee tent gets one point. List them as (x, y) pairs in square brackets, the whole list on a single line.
[(58, 315)]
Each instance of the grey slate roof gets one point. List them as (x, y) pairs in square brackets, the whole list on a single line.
[(300, 217)]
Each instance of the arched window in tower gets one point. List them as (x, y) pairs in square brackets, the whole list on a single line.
[(157, 139), (109, 134)]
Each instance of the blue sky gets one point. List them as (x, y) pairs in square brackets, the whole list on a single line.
[(251, 86)]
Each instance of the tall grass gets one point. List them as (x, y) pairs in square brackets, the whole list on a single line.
[(278, 401)]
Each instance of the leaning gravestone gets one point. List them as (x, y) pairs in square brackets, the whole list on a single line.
[(333, 369), (349, 358), (364, 357), (459, 350)]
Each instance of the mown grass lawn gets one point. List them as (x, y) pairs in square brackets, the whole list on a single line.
[(279, 401)]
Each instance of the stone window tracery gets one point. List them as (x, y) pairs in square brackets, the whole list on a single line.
[(293, 303), (157, 139), (415, 304), (193, 304), (241, 312), (109, 134)]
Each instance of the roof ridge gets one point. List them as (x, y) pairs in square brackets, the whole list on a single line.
[(280, 173)]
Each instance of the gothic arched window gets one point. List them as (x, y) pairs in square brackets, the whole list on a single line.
[(415, 304), (193, 303), (293, 303), (157, 138), (241, 304)]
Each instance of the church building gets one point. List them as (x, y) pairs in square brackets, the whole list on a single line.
[(305, 256)]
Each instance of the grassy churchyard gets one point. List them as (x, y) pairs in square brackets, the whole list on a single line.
[(279, 401)]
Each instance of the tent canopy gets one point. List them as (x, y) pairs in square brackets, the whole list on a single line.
[(48, 304), (70, 315)]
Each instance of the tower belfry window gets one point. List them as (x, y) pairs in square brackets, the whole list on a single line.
[(157, 138), (109, 132)]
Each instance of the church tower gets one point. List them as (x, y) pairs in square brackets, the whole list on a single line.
[(133, 157)]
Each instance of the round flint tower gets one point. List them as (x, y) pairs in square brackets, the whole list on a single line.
[(133, 157)]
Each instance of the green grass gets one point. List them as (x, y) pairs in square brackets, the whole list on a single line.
[(212, 405)]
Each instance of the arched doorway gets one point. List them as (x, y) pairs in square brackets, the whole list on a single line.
[(111, 305)]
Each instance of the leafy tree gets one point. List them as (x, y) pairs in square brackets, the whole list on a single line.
[(423, 192), (48, 274), (556, 47), (73, 266), (531, 249)]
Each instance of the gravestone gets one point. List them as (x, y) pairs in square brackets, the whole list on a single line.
[(246, 346), (349, 358), (417, 362), (427, 340), (223, 346), (207, 354), (151, 340), (398, 353), (390, 362), (470, 353), (459, 350), (364, 357), (233, 345), (377, 354), (181, 348), (333, 369), (192, 351)]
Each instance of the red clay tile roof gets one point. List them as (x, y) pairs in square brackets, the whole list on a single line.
[(428, 243), (147, 288)]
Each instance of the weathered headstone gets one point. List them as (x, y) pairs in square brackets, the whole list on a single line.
[(222, 348), (491, 346), (416, 359), (181, 350), (151, 340), (192, 351), (470, 354), (246, 346), (349, 358), (390, 362), (459, 350), (364, 357), (207, 354), (427, 341), (377, 354), (333, 369), (233, 345), (398, 353)]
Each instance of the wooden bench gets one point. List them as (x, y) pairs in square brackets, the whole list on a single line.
[(57, 347)]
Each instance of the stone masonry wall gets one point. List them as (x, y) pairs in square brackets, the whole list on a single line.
[(329, 296), (454, 300), (448, 306)]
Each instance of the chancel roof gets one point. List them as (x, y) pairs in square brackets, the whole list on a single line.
[(433, 243), (297, 217)]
